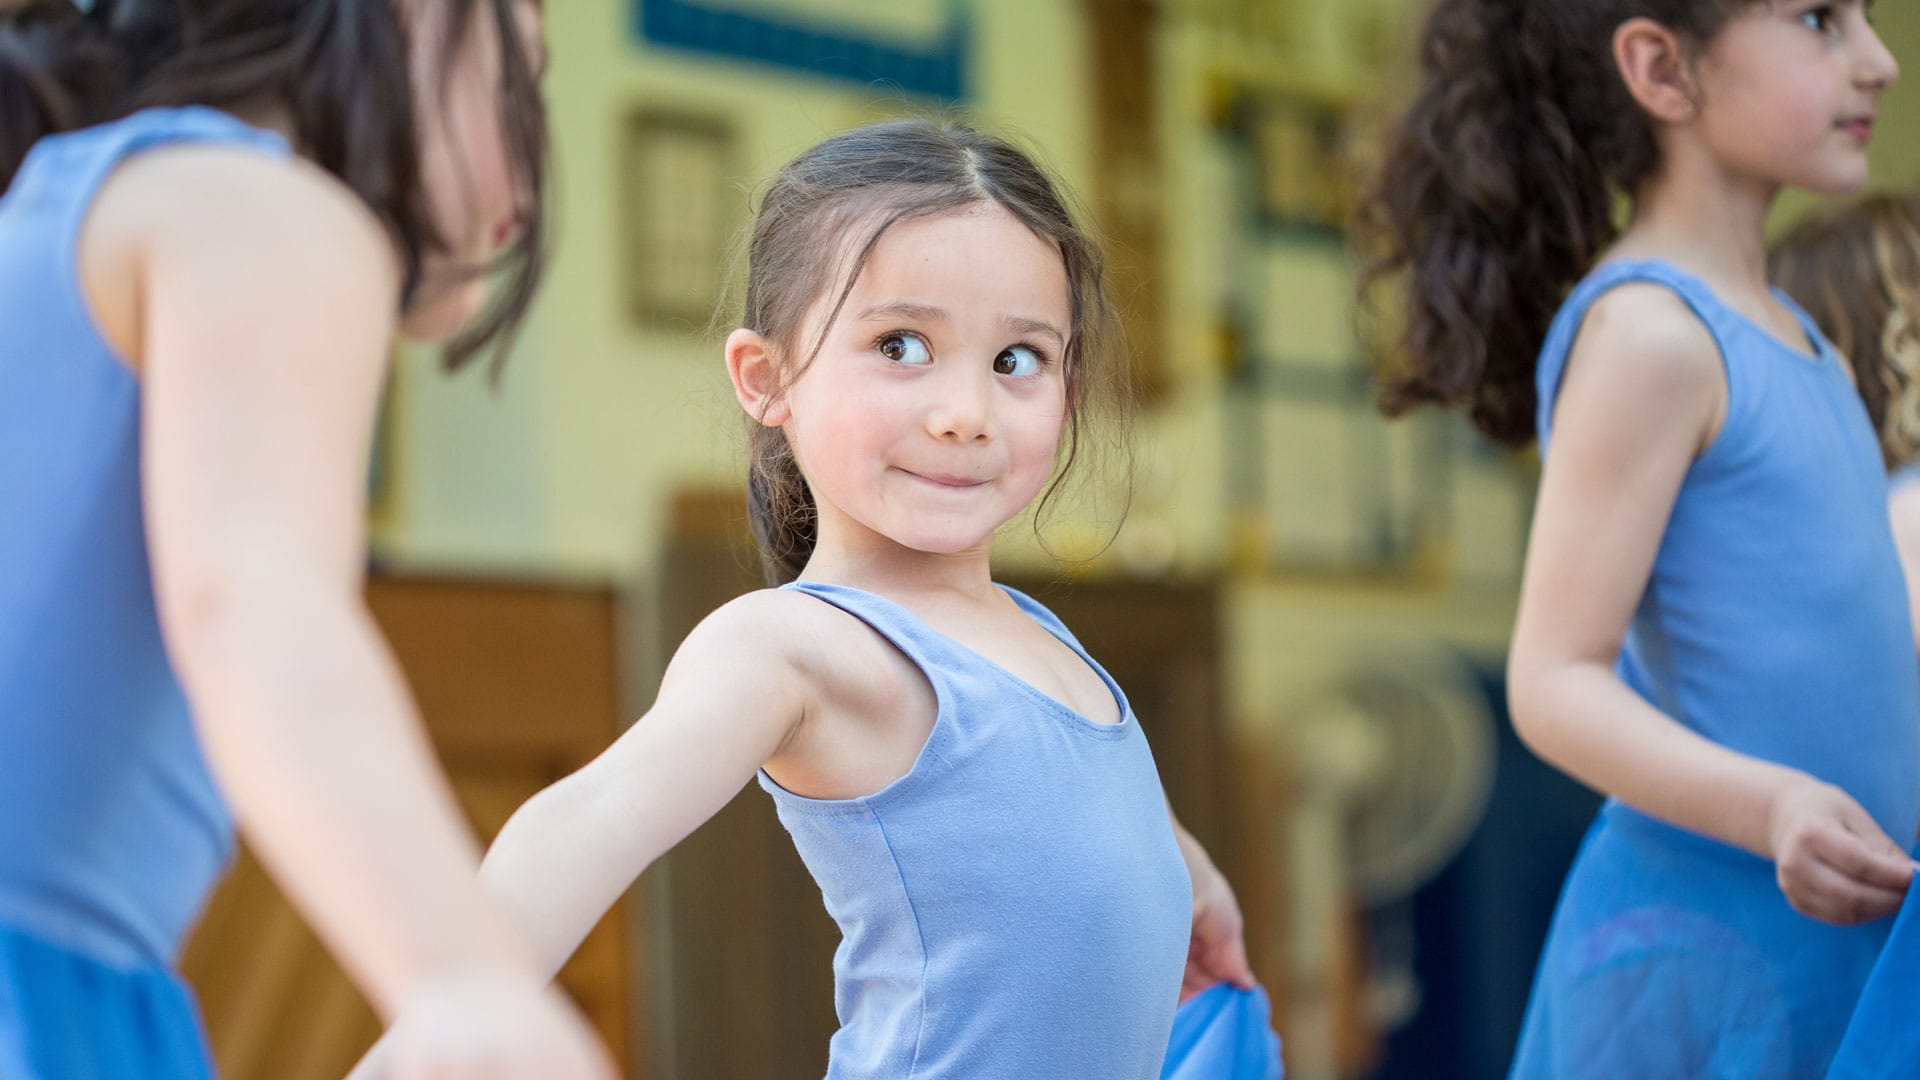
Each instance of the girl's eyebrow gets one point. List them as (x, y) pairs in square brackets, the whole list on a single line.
[(1024, 326), (903, 309), (1019, 325)]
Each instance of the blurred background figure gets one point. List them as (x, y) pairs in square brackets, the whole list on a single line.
[(1308, 605), (218, 216), (1855, 267)]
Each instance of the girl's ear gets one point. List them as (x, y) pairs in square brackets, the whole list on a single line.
[(752, 366), (1657, 68)]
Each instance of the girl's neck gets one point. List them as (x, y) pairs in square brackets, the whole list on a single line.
[(1699, 217), (903, 573)]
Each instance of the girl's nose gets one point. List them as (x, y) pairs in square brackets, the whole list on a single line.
[(962, 408), (1878, 67)]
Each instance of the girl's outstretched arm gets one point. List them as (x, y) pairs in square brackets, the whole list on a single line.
[(1643, 396), (266, 313), (733, 695)]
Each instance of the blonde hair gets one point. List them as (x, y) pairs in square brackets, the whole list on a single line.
[(1856, 269)]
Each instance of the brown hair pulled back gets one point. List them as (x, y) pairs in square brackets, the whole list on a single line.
[(340, 69), (819, 221), (1856, 269), (1497, 191)]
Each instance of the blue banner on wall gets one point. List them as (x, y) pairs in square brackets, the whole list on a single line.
[(761, 32)]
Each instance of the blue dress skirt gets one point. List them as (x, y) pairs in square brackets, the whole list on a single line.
[(66, 1016), (1675, 957), (1883, 1040)]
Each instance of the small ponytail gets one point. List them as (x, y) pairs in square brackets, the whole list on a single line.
[(780, 507), (58, 71), (1497, 191)]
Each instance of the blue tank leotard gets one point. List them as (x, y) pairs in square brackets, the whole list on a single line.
[(1015, 905), (1774, 623), (111, 831)]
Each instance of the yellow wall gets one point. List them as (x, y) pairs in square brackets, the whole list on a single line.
[(565, 469)]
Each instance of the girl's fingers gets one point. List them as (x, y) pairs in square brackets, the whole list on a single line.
[(1822, 892), (1869, 860)]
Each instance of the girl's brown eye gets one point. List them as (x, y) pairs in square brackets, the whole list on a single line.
[(1019, 361), (905, 349)]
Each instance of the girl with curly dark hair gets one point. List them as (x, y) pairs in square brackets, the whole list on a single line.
[(1712, 628)]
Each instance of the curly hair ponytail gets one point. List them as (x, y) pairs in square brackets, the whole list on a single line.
[(1497, 191)]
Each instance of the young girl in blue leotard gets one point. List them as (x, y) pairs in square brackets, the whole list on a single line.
[(1712, 628), (925, 331), (198, 296)]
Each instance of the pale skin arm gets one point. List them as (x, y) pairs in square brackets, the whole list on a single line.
[(1218, 950), (1904, 506), (1640, 400), (731, 700), (266, 316)]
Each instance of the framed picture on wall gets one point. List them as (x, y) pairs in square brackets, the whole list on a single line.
[(1299, 145), (676, 215)]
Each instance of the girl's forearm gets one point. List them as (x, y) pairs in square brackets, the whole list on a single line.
[(1580, 717), (560, 863), (309, 728)]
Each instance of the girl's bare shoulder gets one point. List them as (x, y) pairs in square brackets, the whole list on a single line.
[(788, 625), (272, 211), (837, 656), (1641, 342)]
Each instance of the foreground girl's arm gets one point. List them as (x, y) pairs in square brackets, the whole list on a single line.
[(265, 329), (1641, 399), (732, 699)]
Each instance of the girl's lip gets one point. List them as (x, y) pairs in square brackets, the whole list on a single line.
[(945, 480), (1860, 128)]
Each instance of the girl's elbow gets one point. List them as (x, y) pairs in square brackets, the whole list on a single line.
[(1528, 692)]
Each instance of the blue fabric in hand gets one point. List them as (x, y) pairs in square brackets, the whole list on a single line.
[(1883, 1039), (1224, 1033)]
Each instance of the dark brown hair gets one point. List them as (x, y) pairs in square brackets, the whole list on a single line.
[(818, 223), (340, 68), (1856, 269), (1498, 189)]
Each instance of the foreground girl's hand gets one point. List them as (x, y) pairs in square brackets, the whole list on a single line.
[(486, 1027), (1832, 860)]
